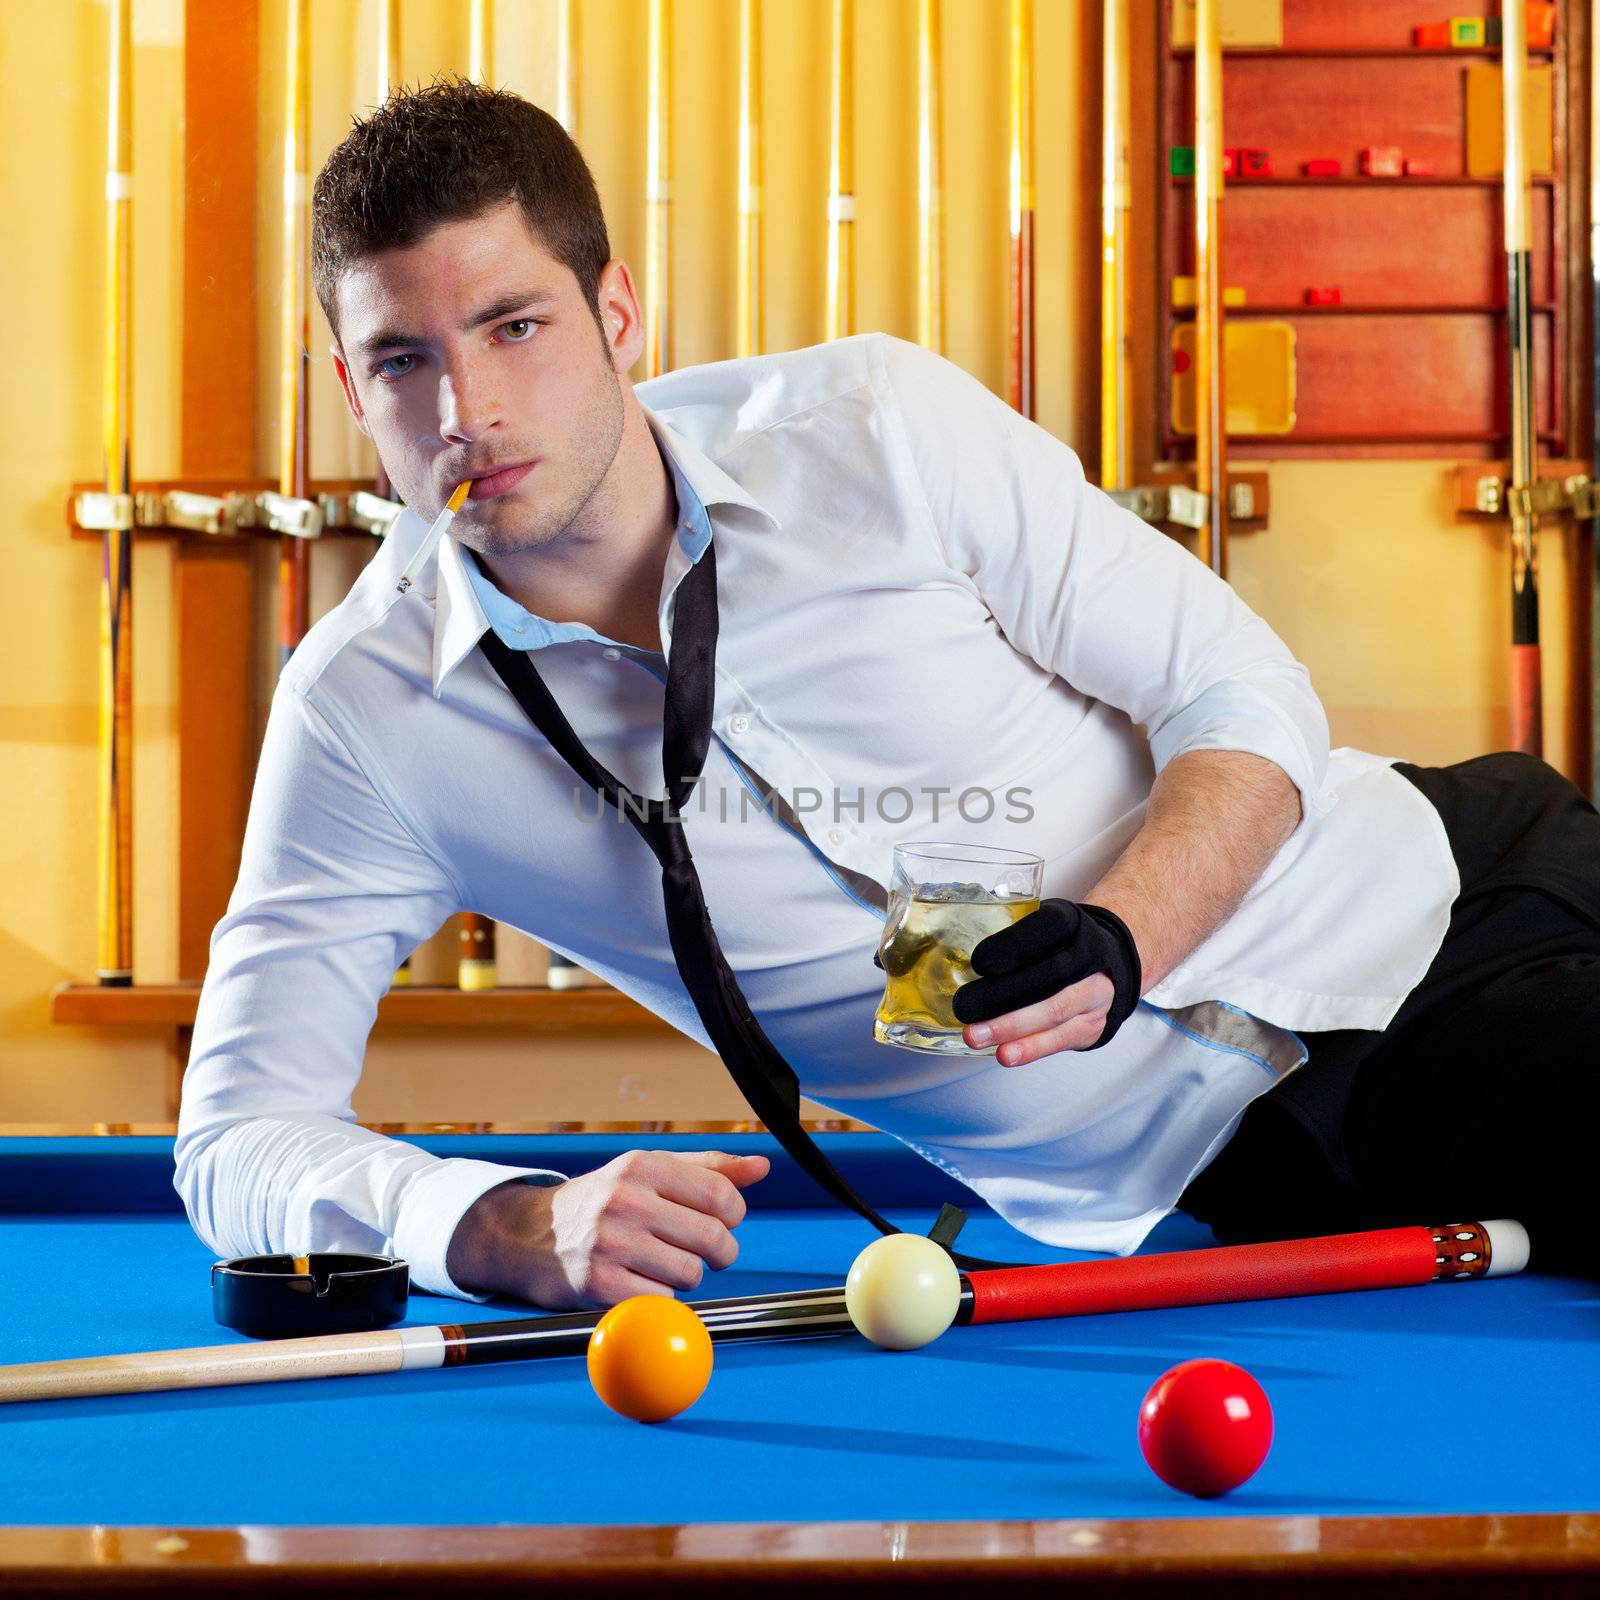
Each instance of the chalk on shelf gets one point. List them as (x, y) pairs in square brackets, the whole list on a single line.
[(1468, 32), (1186, 293), (1183, 161), (1421, 167), (1323, 167), (1255, 163), (1541, 26), (1381, 161), (1324, 297)]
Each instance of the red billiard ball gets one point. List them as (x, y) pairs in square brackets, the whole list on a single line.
[(1205, 1426)]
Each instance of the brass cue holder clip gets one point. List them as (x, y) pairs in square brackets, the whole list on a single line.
[(1577, 496), (95, 511), (1179, 506)]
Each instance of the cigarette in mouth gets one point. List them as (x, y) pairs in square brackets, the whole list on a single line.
[(441, 526)]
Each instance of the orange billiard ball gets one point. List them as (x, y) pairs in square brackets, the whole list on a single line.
[(650, 1358)]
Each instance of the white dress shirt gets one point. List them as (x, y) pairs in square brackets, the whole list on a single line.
[(932, 628)]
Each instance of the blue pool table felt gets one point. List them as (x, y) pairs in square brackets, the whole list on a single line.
[(1452, 1397)]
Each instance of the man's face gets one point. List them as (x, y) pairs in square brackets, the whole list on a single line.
[(475, 351)]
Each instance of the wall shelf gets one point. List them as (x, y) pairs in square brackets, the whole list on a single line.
[(1359, 52), (1233, 187), (173, 1005), (1292, 309)]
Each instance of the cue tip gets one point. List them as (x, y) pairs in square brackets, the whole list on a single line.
[(1509, 1248)]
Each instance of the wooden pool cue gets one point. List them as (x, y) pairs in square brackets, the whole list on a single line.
[(658, 195), (930, 180), (387, 79), (294, 337), (1594, 399), (564, 974), (1020, 377), (480, 41), (1116, 442), (477, 958), (1387, 1258), (839, 318), (1211, 432), (1527, 721), (115, 752), (567, 65), (750, 335), (388, 62)]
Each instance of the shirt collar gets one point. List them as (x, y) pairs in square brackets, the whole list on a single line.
[(467, 604)]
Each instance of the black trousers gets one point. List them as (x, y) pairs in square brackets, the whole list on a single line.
[(1482, 1096)]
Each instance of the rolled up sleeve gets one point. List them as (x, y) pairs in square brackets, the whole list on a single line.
[(1092, 593), (333, 892)]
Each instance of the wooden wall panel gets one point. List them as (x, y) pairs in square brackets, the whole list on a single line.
[(213, 605), (1438, 247), (1397, 378)]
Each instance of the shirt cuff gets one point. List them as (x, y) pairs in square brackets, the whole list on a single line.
[(1231, 717), (434, 1205)]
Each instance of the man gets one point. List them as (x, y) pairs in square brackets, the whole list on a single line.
[(931, 627)]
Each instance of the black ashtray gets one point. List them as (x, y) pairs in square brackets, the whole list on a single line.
[(273, 1297)]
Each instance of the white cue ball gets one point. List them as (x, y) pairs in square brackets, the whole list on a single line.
[(903, 1291)]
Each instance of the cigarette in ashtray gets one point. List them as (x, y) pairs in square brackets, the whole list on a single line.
[(441, 526)]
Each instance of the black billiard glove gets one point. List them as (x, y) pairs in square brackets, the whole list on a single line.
[(1043, 952)]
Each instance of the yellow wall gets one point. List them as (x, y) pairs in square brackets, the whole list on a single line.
[(1399, 610)]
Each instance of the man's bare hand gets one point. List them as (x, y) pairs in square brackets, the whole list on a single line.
[(649, 1222)]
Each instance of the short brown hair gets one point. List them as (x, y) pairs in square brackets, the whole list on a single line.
[(443, 153)]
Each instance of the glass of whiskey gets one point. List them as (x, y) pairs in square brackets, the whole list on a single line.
[(943, 900)]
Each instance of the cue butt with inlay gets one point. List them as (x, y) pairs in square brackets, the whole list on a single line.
[(1382, 1258)]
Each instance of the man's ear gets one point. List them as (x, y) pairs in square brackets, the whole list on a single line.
[(621, 319), (351, 398)]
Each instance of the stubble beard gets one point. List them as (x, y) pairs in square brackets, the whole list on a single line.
[(541, 524)]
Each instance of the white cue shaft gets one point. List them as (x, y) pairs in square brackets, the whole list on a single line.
[(335, 1355)]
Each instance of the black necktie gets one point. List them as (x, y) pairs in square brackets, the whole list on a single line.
[(766, 1080)]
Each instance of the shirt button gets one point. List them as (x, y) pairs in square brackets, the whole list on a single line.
[(738, 724), (612, 655), (522, 627), (834, 836)]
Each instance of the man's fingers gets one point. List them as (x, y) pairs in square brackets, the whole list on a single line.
[(711, 1180), (612, 1284), (658, 1259), (686, 1230), (1089, 999), (1082, 1033)]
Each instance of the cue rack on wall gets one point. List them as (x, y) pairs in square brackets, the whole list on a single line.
[(1343, 276), (1394, 274)]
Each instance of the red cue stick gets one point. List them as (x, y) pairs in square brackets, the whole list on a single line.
[(1388, 1258)]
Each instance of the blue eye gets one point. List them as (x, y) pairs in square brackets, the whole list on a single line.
[(382, 368)]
